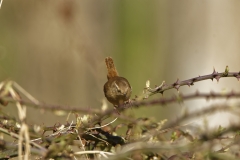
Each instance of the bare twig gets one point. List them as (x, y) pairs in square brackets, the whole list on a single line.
[(104, 124), (24, 92), (14, 135)]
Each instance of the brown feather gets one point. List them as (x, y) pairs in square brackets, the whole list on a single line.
[(112, 72)]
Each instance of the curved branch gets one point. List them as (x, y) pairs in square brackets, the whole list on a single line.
[(190, 82)]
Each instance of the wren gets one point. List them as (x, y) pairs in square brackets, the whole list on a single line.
[(117, 89)]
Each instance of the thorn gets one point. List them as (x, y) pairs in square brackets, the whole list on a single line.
[(177, 82), (163, 84), (177, 87), (214, 71), (194, 79), (238, 78), (162, 93), (158, 88), (217, 78), (190, 83)]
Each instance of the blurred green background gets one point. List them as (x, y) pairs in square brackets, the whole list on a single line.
[(56, 49)]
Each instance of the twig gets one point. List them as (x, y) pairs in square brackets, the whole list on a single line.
[(83, 146), (53, 107), (104, 125), (93, 152), (24, 92), (12, 134)]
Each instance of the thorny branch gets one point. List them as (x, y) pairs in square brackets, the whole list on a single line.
[(215, 75), (95, 139)]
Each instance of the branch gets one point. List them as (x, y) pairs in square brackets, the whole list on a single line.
[(190, 82), (164, 101)]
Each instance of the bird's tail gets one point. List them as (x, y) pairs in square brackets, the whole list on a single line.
[(112, 71)]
